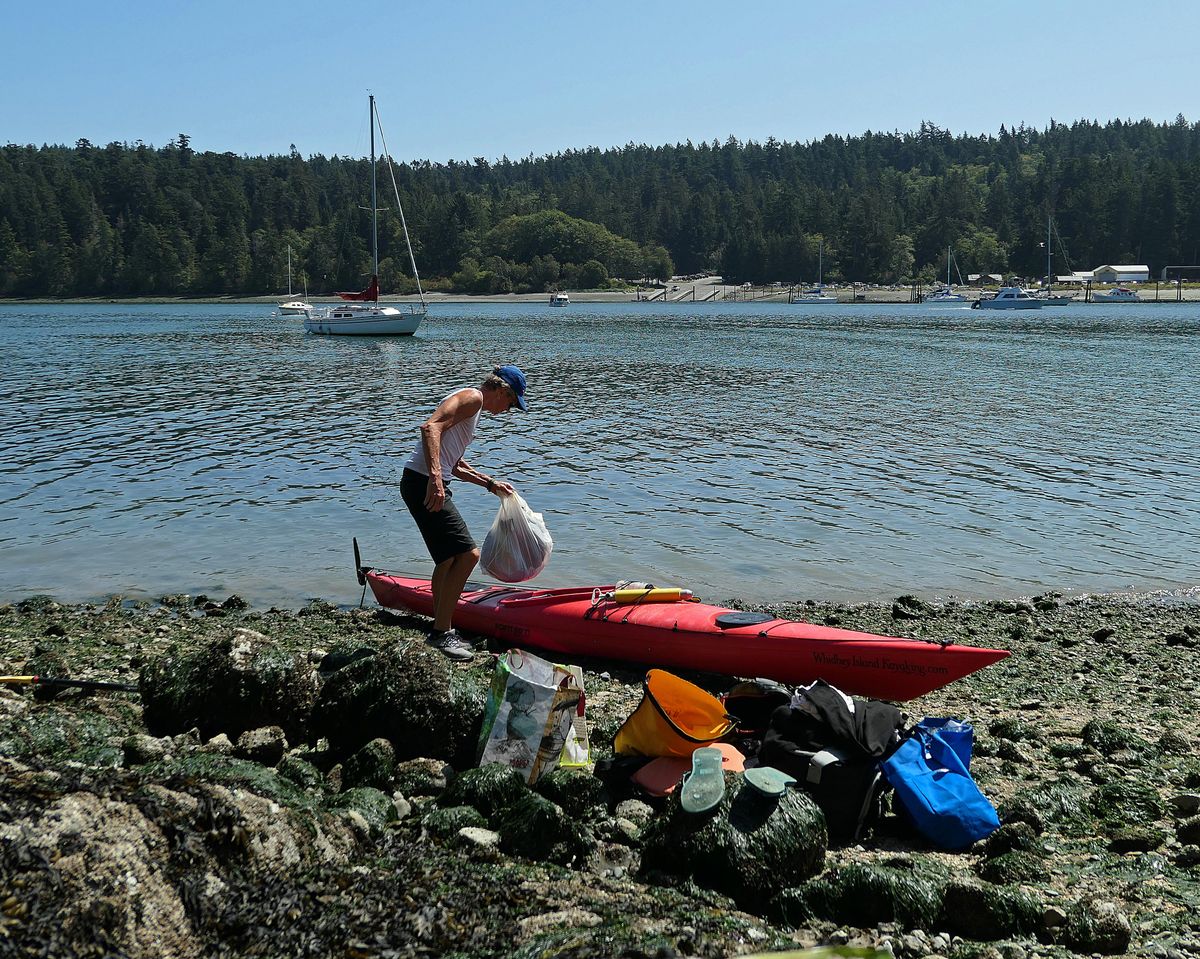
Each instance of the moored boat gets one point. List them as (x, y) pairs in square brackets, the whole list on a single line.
[(690, 635), (294, 307), (1009, 298), (365, 317), (560, 299), (817, 294), (945, 295), (1118, 294), (1048, 298)]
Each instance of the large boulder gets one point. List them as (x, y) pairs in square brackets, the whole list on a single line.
[(409, 695), (988, 913), (1095, 925), (747, 847), (238, 682), (536, 828), (491, 789)]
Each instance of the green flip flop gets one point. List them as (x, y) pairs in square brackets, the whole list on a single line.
[(768, 780)]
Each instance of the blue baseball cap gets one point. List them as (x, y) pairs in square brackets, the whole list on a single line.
[(513, 376)]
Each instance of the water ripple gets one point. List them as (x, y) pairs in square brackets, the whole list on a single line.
[(761, 451)]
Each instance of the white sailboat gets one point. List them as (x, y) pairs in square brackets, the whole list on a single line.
[(357, 318), (816, 294), (946, 293), (294, 307)]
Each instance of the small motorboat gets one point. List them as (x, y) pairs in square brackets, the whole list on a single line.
[(560, 299), (1118, 294), (1046, 298), (1008, 298)]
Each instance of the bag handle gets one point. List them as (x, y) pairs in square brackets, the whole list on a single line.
[(818, 762)]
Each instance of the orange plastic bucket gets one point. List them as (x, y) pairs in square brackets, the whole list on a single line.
[(674, 718)]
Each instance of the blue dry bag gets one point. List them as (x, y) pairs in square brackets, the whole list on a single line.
[(939, 794)]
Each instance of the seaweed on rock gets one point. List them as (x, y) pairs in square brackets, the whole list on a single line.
[(491, 789), (409, 695), (233, 684), (863, 896), (747, 847)]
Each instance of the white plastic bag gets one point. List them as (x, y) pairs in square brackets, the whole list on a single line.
[(518, 545)]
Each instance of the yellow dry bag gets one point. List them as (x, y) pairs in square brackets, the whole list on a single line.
[(674, 718)]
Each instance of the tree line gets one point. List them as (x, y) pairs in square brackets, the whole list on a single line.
[(129, 220)]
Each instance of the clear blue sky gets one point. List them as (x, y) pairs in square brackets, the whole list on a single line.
[(514, 77)]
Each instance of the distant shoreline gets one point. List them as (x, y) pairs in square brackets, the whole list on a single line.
[(683, 294)]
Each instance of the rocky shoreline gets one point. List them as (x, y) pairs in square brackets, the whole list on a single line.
[(248, 802)]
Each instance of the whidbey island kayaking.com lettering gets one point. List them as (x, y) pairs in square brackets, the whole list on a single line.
[(879, 662)]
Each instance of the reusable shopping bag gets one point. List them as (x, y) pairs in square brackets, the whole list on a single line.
[(533, 708), (518, 545), (674, 718), (938, 793)]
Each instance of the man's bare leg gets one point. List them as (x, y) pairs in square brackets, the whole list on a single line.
[(449, 578)]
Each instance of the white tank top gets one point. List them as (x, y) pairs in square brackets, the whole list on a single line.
[(454, 443)]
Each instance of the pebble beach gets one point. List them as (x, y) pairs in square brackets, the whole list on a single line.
[(118, 840)]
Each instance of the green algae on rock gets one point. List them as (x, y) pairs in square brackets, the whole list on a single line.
[(747, 847), (864, 896), (409, 695), (233, 684)]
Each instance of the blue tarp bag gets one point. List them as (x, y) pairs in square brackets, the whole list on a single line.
[(938, 793), (958, 734)]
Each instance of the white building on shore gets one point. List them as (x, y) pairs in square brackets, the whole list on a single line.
[(1121, 273)]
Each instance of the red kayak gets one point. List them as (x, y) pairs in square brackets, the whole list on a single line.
[(689, 635)]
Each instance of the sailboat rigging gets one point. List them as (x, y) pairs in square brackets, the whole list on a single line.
[(816, 294), (946, 294), (294, 307), (1045, 294), (352, 319)]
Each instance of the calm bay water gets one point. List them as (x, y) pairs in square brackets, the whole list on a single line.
[(768, 452)]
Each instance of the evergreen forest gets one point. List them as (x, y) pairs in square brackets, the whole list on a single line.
[(135, 220)]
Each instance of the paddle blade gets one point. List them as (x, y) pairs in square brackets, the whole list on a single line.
[(359, 570)]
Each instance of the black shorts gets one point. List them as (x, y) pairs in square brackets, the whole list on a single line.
[(445, 532)]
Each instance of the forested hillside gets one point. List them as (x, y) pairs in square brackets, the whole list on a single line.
[(128, 220)]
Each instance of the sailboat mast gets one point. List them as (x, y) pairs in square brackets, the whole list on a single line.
[(947, 266), (1047, 251), (821, 263), (289, 271), (374, 204)]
